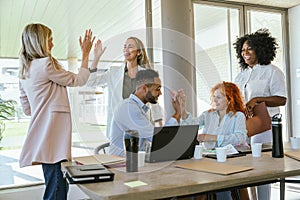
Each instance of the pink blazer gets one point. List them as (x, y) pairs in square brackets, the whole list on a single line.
[(44, 96)]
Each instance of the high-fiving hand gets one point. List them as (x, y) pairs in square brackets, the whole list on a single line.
[(86, 43)]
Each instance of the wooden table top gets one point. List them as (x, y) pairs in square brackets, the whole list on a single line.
[(165, 180)]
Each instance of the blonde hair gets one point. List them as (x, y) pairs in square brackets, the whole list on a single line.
[(35, 38), (142, 59)]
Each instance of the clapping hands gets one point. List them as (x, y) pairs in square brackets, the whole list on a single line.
[(180, 96)]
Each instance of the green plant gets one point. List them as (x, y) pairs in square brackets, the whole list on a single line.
[(7, 110)]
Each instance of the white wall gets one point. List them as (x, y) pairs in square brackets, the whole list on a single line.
[(294, 29)]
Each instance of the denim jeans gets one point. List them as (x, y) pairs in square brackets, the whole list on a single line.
[(226, 195), (56, 185)]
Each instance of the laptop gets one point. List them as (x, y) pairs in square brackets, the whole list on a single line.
[(172, 143)]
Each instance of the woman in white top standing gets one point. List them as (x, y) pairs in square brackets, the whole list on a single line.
[(260, 81), (121, 80)]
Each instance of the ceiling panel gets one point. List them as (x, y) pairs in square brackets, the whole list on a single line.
[(273, 3), (68, 20), (111, 20)]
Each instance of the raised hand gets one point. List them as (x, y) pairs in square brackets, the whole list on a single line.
[(86, 43), (98, 49)]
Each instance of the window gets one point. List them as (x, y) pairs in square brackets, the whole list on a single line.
[(123, 19), (216, 28), (215, 31)]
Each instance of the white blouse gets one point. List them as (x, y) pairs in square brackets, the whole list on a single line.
[(231, 130), (262, 81)]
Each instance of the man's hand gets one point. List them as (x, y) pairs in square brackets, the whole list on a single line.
[(177, 108), (182, 99)]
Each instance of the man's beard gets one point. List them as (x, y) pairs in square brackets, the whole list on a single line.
[(150, 98)]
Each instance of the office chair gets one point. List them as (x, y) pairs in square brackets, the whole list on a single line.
[(102, 147)]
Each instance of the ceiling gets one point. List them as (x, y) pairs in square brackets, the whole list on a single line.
[(110, 20), (68, 20), (273, 3)]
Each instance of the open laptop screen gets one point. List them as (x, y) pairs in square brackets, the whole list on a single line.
[(172, 143)]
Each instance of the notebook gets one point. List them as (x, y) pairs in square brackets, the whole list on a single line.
[(88, 173), (172, 143)]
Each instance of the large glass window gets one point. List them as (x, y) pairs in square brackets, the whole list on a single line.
[(118, 21), (215, 31), (258, 19), (216, 28)]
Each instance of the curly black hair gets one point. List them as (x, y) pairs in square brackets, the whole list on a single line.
[(262, 43)]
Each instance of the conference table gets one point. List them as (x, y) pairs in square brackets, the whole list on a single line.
[(165, 180)]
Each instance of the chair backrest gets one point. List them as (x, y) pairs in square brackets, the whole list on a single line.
[(102, 147)]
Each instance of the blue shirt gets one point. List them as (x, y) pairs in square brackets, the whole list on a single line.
[(231, 130), (131, 114)]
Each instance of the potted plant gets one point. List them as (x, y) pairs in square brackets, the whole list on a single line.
[(7, 109)]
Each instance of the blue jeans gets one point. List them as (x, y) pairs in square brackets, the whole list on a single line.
[(226, 195), (56, 185)]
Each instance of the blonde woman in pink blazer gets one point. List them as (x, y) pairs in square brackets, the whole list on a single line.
[(43, 87)]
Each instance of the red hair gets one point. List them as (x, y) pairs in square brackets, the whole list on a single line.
[(233, 96)]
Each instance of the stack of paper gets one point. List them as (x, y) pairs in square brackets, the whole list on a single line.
[(104, 159)]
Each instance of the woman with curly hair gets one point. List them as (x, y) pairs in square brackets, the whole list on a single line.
[(260, 81), (225, 122)]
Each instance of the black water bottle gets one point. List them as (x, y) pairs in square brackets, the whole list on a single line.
[(131, 142), (277, 148)]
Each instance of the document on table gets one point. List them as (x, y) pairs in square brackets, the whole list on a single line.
[(293, 154), (229, 149), (104, 159), (214, 167)]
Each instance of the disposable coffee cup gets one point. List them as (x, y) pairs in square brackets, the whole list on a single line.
[(221, 154), (141, 158), (198, 152), (295, 142), (256, 149)]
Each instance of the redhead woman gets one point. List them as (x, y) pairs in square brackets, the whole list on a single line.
[(225, 122)]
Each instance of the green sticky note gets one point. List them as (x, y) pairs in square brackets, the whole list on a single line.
[(133, 184)]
